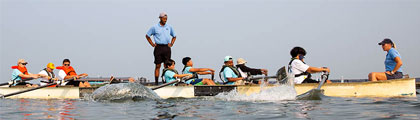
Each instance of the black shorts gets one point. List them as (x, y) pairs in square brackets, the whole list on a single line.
[(309, 80), (74, 83), (396, 75), (162, 53)]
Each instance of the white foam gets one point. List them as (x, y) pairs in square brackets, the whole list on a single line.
[(278, 93)]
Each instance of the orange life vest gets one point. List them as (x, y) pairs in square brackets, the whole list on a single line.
[(21, 69), (68, 71)]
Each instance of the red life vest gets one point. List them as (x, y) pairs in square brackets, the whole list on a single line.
[(68, 71), (21, 69)]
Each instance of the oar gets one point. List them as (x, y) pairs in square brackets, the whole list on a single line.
[(316, 93), (166, 84), (32, 89), (324, 77), (170, 83), (17, 81), (280, 76)]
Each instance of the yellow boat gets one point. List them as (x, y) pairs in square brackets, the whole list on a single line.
[(390, 88)]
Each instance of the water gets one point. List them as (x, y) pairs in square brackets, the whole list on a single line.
[(205, 108), (113, 102)]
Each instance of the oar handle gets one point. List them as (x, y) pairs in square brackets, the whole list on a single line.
[(263, 77), (324, 77)]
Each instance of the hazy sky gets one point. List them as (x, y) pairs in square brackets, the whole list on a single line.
[(106, 37)]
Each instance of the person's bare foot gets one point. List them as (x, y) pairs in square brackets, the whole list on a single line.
[(87, 84), (81, 85)]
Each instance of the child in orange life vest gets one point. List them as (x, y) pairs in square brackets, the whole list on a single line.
[(20, 72), (68, 72)]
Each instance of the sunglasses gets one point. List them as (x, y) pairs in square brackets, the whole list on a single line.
[(66, 64), (23, 63)]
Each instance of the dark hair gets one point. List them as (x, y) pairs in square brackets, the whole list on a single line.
[(66, 60), (169, 63), (185, 60), (297, 50)]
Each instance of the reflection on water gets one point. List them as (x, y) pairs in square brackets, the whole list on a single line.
[(205, 108), (45, 109)]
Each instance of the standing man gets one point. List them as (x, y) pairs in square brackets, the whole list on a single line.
[(161, 33)]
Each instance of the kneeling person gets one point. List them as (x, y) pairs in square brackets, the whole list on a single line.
[(188, 69), (170, 74)]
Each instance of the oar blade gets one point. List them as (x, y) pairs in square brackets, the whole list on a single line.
[(282, 75)]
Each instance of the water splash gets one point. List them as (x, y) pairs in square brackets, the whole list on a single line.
[(123, 91), (277, 93), (280, 92)]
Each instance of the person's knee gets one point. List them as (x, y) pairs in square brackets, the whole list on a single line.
[(158, 66)]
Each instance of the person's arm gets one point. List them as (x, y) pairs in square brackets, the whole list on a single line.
[(64, 76), (150, 41), (398, 65), (234, 79), (83, 75), (205, 73), (182, 75), (28, 76), (149, 34), (315, 70), (172, 42), (201, 70), (252, 71), (172, 33)]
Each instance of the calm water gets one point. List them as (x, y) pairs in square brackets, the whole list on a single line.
[(210, 108)]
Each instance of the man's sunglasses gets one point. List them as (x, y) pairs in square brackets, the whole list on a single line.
[(66, 64), (23, 63)]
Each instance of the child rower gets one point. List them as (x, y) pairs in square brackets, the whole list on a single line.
[(300, 69), (188, 69), (170, 74)]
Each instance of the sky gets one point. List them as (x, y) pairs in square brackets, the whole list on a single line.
[(107, 37)]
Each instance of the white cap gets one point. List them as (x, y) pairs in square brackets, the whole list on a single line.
[(163, 14), (228, 58), (241, 61)]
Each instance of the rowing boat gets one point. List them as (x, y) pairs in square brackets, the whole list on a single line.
[(391, 88)]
